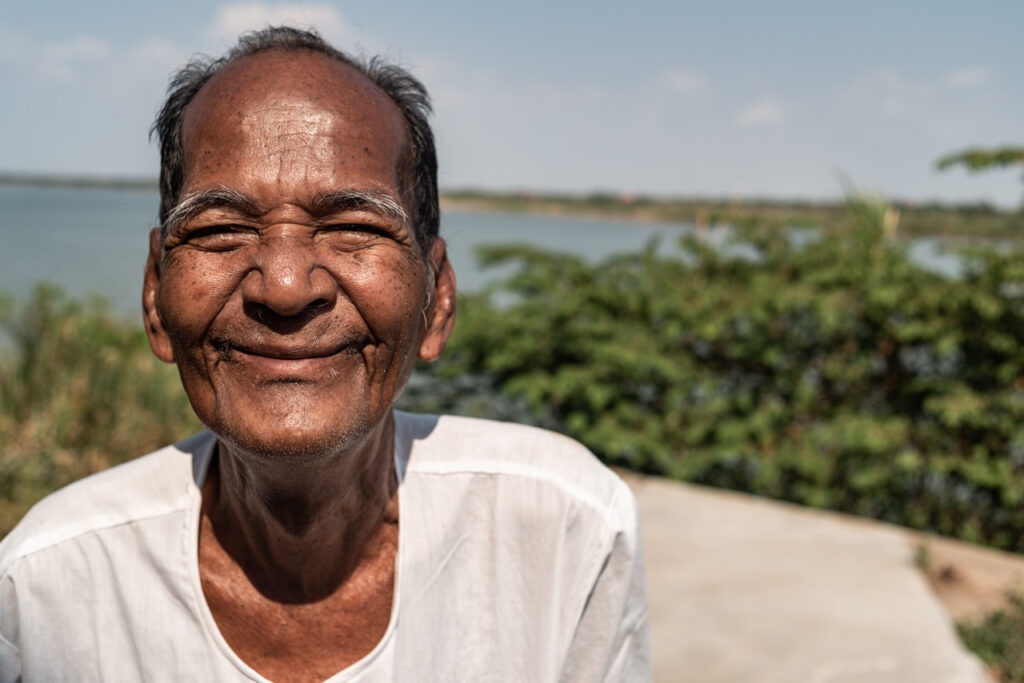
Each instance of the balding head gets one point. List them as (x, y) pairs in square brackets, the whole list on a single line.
[(418, 170)]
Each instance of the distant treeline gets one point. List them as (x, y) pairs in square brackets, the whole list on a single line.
[(82, 181), (912, 219)]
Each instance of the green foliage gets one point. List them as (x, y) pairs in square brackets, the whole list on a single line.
[(997, 640), (977, 159), (79, 391), (828, 371)]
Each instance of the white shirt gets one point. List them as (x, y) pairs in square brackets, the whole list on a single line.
[(519, 559)]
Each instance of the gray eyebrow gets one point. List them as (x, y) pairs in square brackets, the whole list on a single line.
[(195, 203), (359, 199), (224, 197)]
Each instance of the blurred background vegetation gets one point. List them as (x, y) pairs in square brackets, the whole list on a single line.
[(79, 391), (816, 365), (822, 367)]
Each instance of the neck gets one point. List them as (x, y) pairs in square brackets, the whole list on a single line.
[(298, 529)]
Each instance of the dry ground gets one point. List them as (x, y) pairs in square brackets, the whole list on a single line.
[(969, 580)]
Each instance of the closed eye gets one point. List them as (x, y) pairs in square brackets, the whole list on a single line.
[(219, 237), (349, 236), (365, 228)]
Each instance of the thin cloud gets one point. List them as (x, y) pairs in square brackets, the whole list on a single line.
[(78, 48), (159, 52), (235, 18), (13, 46), (766, 113), (682, 80), (64, 60), (886, 91), (967, 77), (935, 105), (85, 58)]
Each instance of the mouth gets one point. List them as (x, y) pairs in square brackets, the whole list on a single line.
[(289, 361)]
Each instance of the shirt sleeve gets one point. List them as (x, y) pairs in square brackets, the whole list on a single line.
[(612, 639)]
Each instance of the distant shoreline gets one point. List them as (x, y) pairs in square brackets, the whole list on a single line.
[(914, 219), (78, 181)]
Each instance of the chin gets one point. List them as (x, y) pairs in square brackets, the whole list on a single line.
[(287, 420), (296, 439)]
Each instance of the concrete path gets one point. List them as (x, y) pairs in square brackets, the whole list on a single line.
[(745, 590)]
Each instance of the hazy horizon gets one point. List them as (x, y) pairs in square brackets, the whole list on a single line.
[(730, 99)]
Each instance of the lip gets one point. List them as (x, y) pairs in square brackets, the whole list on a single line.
[(292, 361), (289, 351)]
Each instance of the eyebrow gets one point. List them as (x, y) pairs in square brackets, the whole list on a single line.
[(331, 202), (221, 197), (348, 200)]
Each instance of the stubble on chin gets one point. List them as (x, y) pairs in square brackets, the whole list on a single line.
[(292, 428)]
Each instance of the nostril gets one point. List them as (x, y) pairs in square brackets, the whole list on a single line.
[(318, 306), (261, 313), (281, 323)]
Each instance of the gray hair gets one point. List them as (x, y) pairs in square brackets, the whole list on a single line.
[(419, 180)]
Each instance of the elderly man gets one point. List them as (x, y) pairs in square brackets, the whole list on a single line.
[(314, 533)]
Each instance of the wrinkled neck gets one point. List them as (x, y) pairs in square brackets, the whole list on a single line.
[(299, 527)]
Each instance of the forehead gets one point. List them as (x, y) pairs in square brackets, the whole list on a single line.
[(300, 107)]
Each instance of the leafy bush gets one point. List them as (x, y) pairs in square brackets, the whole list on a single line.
[(827, 370), (79, 391)]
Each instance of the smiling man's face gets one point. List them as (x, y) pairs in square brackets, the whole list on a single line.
[(289, 288)]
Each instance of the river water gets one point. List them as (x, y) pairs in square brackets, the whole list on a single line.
[(94, 241)]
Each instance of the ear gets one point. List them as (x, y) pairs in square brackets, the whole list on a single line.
[(440, 315), (159, 341)]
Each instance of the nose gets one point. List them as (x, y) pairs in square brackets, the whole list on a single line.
[(287, 279)]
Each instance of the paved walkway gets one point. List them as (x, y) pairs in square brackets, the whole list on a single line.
[(745, 590)]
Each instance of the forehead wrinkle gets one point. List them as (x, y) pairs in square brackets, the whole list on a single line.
[(278, 125)]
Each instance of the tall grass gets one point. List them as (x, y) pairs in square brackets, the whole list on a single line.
[(79, 391)]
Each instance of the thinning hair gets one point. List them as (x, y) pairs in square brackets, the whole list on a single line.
[(418, 180)]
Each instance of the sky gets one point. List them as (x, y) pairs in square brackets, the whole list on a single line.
[(782, 99)]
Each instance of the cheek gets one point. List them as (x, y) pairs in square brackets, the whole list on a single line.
[(390, 295), (193, 290)]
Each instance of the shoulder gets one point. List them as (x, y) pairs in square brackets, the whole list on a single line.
[(149, 486), (449, 445)]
